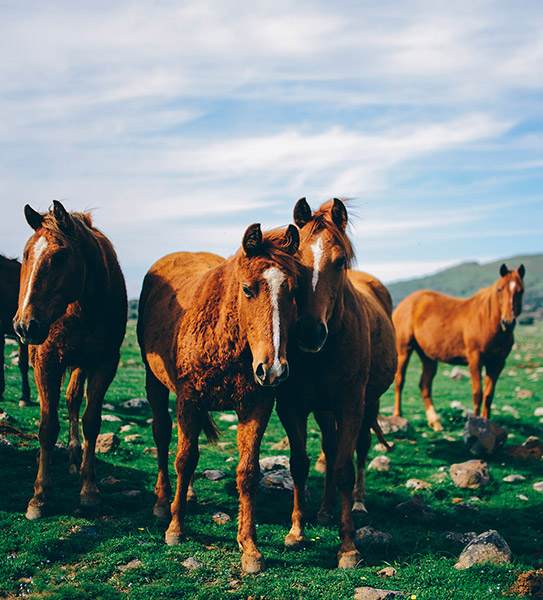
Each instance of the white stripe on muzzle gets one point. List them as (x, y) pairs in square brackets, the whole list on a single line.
[(275, 278)]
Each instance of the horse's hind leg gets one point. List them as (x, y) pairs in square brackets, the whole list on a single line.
[(74, 397), (157, 394), (429, 369), (327, 424), (23, 368), (404, 354), (2, 359), (98, 382)]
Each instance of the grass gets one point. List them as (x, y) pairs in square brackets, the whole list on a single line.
[(68, 556)]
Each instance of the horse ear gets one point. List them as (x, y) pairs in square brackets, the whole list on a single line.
[(302, 212), (33, 217), (291, 241), (62, 216), (252, 239), (503, 270), (521, 271), (339, 214)]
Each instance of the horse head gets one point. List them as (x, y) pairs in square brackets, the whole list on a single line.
[(325, 253), (509, 290), (267, 274), (52, 272)]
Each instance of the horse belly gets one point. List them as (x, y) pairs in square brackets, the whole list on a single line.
[(441, 343)]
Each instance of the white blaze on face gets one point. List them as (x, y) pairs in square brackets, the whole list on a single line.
[(38, 250), (275, 278), (317, 249), (512, 286)]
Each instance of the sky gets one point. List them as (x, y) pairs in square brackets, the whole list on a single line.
[(179, 124)]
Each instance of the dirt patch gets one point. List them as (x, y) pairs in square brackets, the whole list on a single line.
[(7, 429), (529, 584)]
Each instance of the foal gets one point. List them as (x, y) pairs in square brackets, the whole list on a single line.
[(72, 311), (214, 332)]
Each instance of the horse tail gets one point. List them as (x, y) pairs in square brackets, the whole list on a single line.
[(210, 429), (380, 435)]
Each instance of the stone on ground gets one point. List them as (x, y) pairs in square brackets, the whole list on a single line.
[(487, 547), (482, 436), (472, 474)]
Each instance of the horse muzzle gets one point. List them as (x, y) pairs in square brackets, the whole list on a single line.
[(272, 376), (508, 325), (33, 332), (310, 336)]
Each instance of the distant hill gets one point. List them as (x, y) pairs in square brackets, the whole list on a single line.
[(467, 278)]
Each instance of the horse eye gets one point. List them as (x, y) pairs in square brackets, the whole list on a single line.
[(499, 290), (341, 262), (247, 291)]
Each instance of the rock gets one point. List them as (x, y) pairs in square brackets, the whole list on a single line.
[(109, 480), (538, 486), (135, 403), (487, 547), (107, 442), (131, 565), (417, 484), (125, 428), (213, 474), (134, 437), (525, 394), (369, 593), (483, 436), (233, 427), (111, 418), (380, 463), (132, 493), (458, 374), (387, 572), (414, 509), (530, 449), (514, 478), (221, 518), (472, 474), (369, 534), (382, 448), (538, 412), (281, 444), (107, 406), (228, 417), (393, 424), (272, 463), (151, 450), (192, 563), (460, 538), (522, 497), (279, 480)]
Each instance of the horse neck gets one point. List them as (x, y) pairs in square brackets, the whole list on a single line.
[(488, 307), (96, 277)]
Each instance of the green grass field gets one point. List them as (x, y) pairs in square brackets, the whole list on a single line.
[(67, 556)]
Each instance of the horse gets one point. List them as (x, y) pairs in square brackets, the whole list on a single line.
[(214, 332), (342, 360), (476, 331), (10, 271), (72, 313)]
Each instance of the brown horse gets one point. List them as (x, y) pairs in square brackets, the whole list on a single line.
[(214, 332), (344, 361), (10, 271), (477, 332), (72, 311)]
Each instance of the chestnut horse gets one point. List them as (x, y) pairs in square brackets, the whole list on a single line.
[(476, 331), (72, 311), (344, 360), (10, 271), (214, 332)]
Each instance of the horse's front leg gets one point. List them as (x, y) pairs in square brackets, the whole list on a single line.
[(474, 366), (48, 374), (251, 428), (99, 379), (492, 373), (349, 422), (23, 368), (74, 397), (327, 424)]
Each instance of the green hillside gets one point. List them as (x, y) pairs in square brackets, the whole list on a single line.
[(465, 279)]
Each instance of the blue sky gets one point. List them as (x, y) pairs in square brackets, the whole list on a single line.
[(179, 124)]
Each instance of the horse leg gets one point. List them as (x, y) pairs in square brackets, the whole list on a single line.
[(491, 377), (74, 397), (2, 361), (363, 445), (251, 428), (98, 382), (48, 375), (349, 422), (474, 365), (403, 360), (189, 425), (157, 394), (23, 368), (327, 426), (429, 368)]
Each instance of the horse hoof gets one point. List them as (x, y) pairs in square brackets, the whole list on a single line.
[(73, 469), (349, 560), (162, 512), (294, 541), (324, 517), (173, 539), (320, 466), (436, 426), (359, 508), (90, 500), (192, 497), (23, 403), (35, 512), (252, 564)]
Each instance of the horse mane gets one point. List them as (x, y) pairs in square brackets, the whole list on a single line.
[(82, 223), (322, 220)]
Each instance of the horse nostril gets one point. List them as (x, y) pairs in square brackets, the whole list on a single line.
[(260, 372), (33, 328), (322, 332)]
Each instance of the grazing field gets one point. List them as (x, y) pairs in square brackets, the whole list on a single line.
[(120, 553)]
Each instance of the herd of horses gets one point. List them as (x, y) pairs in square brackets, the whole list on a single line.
[(285, 321)]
